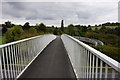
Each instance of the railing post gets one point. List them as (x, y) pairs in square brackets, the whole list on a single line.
[(113, 74), (96, 73), (90, 66), (93, 67), (8, 67), (1, 68), (10, 62), (106, 70), (101, 64), (13, 61)]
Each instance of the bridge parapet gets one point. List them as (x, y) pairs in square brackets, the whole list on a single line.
[(16, 56), (89, 40), (88, 62)]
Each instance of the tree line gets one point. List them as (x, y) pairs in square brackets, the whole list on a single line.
[(110, 36), (11, 30)]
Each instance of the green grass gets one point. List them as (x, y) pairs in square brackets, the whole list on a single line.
[(93, 28)]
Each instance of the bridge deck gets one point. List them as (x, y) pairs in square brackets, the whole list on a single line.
[(53, 62)]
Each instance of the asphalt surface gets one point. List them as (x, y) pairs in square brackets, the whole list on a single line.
[(53, 62)]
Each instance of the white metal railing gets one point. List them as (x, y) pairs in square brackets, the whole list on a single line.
[(89, 40), (16, 56), (88, 62)]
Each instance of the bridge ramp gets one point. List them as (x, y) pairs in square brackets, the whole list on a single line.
[(53, 62)]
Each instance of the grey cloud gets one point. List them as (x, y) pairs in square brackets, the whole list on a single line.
[(75, 12)]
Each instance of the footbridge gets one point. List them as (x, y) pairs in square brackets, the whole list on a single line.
[(50, 56)]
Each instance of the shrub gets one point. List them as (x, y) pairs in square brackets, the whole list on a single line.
[(14, 33), (110, 51)]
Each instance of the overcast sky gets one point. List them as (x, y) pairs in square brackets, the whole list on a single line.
[(51, 13)]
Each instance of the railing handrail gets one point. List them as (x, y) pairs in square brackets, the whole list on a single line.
[(15, 57), (111, 62), (19, 41)]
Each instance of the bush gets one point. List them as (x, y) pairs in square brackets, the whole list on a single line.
[(14, 33), (110, 51), (109, 39)]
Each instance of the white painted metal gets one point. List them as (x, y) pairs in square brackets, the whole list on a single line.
[(101, 66), (90, 66), (106, 70), (16, 56), (96, 72), (95, 62), (1, 72), (87, 64), (93, 67), (113, 73)]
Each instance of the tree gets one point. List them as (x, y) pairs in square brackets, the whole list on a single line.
[(96, 25), (14, 33), (96, 29), (4, 28), (55, 32), (8, 24), (52, 26), (32, 30), (71, 30), (41, 27), (117, 31), (26, 26), (103, 29), (89, 25), (62, 26)]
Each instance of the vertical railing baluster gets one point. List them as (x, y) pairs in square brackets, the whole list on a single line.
[(10, 62), (32, 49), (101, 65), (90, 65), (28, 50), (25, 53), (96, 71), (7, 62), (83, 62), (22, 57), (19, 55), (4, 63), (27, 59), (1, 65), (87, 64), (93, 67), (113, 74), (16, 55), (13, 61), (106, 71)]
